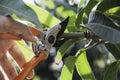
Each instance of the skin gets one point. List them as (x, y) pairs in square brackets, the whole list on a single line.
[(9, 25)]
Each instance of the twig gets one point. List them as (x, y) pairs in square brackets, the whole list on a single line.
[(72, 35)]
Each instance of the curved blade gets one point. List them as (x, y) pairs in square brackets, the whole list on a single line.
[(63, 27)]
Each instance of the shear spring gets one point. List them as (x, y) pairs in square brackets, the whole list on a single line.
[(37, 47)]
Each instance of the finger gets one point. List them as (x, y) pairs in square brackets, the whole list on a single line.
[(16, 28), (23, 31), (17, 54), (27, 35), (1, 76), (18, 57), (8, 68)]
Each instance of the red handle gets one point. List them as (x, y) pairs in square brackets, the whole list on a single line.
[(31, 65)]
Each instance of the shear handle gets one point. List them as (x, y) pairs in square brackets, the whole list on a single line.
[(31, 65)]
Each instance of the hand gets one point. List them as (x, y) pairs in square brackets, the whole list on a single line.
[(9, 25)]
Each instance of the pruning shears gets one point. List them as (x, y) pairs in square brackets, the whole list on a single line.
[(42, 47)]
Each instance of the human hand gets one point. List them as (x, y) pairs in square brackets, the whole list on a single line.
[(9, 25)]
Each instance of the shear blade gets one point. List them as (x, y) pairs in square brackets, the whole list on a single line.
[(63, 27)]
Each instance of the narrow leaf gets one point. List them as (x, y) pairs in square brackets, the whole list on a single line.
[(82, 4), (107, 4), (83, 67), (20, 9), (68, 68), (115, 19), (114, 49), (111, 72), (63, 49), (86, 9)]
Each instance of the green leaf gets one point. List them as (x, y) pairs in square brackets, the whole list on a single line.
[(83, 67), (115, 19), (102, 26), (100, 18), (82, 4), (68, 68), (107, 4), (20, 9), (63, 49), (28, 53), (105, 32), (71, 24), (111, 72), (114, 49), (86, 9), (114, 11), (44, 16), (79, 19)]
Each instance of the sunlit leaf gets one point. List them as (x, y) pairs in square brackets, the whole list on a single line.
[(111, 71), (83, 67), (62, 12), (49, 4), (20, 9), (28, 53), (44, 16), (68, 68), (114, 11), (81, 4), (71, 24)]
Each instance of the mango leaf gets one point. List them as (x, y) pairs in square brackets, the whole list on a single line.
[(79, 19), (110, 4), (63, 49), (83, 67), (44, 16), (103, 27), (105, 32), (20, 9), (114, 49), (100, 18), (68, 68), (27, 52), (86, 9), (111, 71)]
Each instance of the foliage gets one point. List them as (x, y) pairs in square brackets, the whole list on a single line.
[(98, 20)]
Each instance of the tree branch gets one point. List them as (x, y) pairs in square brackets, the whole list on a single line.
[(72, 35)]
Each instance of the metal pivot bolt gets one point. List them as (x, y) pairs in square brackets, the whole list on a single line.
[(51, 39)]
